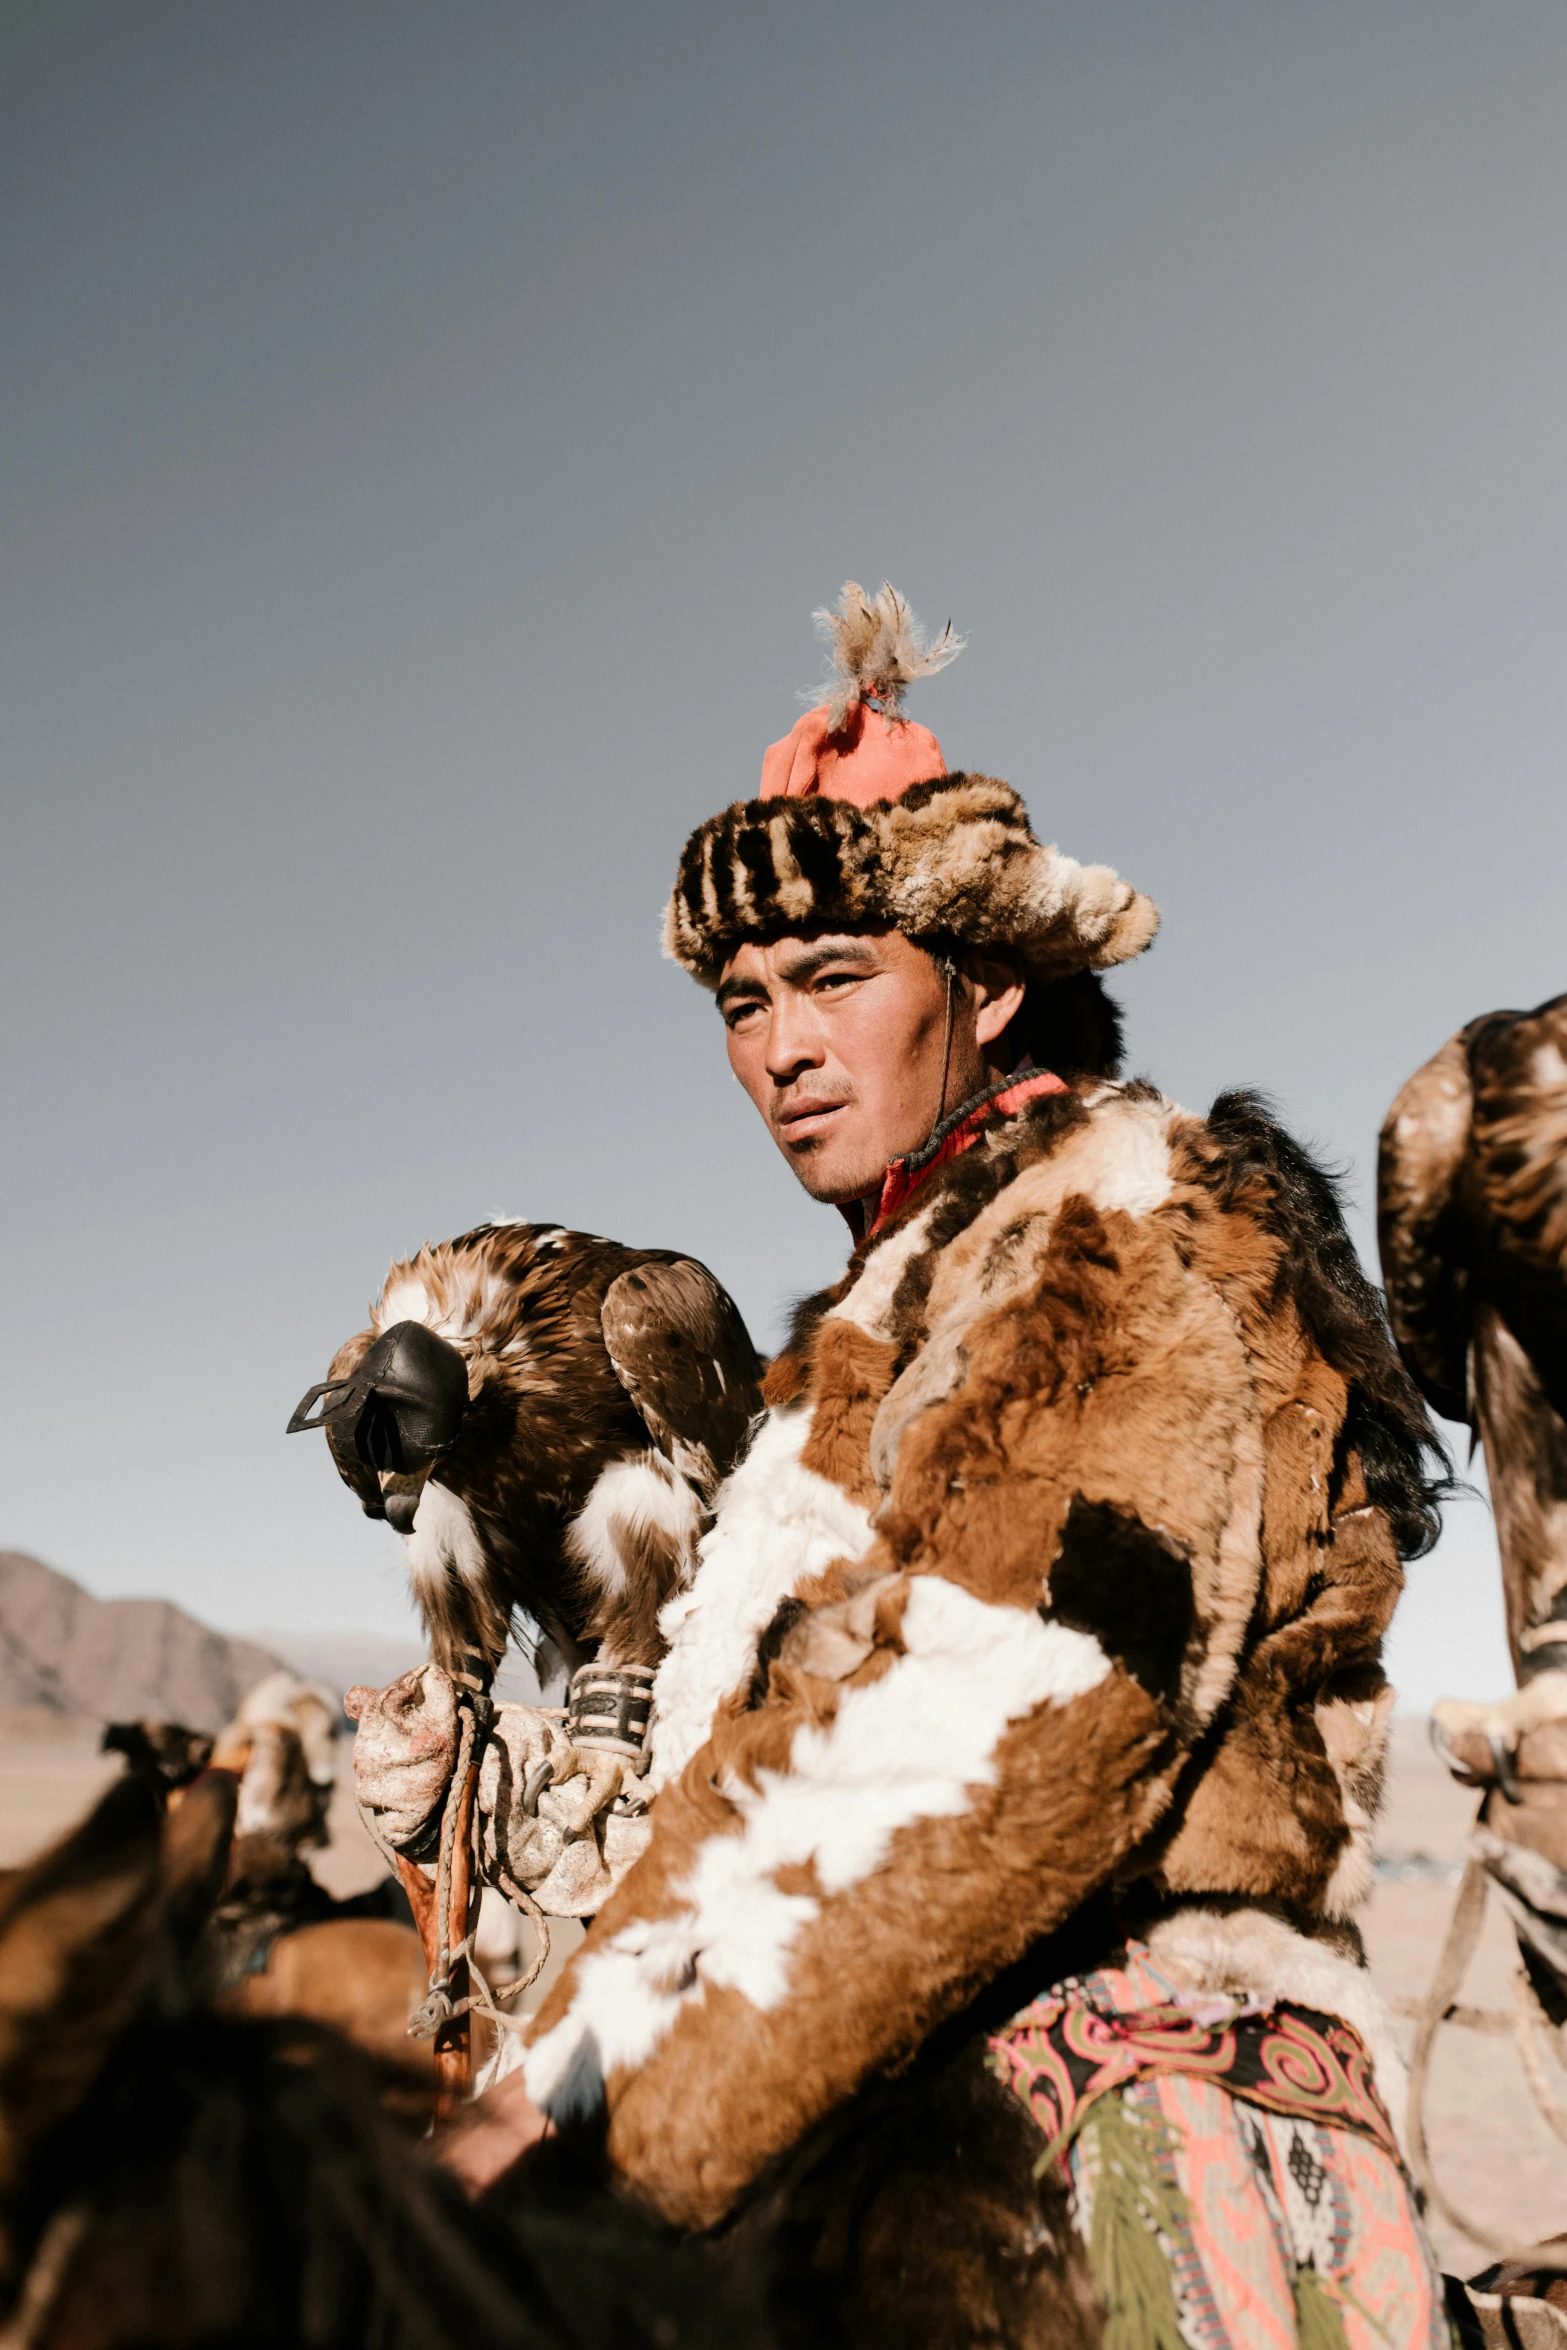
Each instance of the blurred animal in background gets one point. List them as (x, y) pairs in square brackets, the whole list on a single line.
[(545, 1418), (277, 1943), (165, 1756), (1472, 1224), (282, 1744), (170, 2175)]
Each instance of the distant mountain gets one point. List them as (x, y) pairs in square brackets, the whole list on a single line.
[(115, 1659)]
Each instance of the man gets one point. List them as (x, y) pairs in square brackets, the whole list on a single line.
[(1027, 1697)]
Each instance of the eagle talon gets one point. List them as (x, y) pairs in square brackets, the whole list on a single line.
[(602, 1774), (1482, 1744), (1448, 1755), (1502, 1756)]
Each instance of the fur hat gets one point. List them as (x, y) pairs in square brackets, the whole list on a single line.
[(931, 854)]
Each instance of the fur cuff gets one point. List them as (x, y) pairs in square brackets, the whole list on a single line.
[(954, 858), (1248, 1950)]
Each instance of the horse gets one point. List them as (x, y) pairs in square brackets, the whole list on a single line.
[(277, 1943), (174, 2176)]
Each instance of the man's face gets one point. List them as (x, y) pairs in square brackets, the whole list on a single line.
[(839, 1041)]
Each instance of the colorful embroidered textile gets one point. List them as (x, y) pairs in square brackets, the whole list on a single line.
[(1213, 2225), (1086, 2037), (1234, 2174)]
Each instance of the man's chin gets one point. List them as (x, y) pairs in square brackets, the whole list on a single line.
[(829, 1179)]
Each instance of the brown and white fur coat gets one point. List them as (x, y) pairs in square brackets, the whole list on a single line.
[(1051, 1590)]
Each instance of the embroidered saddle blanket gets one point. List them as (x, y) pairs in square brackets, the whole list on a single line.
[(1093, 2033)]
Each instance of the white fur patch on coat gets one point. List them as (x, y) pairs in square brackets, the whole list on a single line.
[(1123, 1159), (911, 1746), (776, 1523), (869, 1302), (627, 1499)]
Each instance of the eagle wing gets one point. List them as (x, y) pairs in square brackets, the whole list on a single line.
[(1425, 1141), (1515, 1188), (685, 1358)]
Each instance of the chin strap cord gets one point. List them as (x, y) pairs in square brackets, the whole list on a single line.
[(949, 971)]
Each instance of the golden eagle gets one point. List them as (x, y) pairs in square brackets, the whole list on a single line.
[(545, 1418), (1472, 1224)]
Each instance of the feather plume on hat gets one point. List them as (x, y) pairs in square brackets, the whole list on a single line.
[(877, 649)]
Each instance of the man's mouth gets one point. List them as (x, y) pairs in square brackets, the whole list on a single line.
[(804, 1121)]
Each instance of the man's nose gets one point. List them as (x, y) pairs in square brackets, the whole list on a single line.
[(791, 1044)]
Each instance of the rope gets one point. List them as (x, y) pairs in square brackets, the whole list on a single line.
[(439, 2006), (1494, 2020), (389, 1852), (1463, 1932), (1533, 2026), (541, 1933), (1441, 2005), (491, 2000)]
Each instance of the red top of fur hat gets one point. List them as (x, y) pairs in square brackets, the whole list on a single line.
[(857, 745)]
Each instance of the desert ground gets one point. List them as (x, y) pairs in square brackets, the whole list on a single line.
[(1495, 2156)]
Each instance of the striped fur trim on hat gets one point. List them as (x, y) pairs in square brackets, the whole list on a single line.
[(954, 858)]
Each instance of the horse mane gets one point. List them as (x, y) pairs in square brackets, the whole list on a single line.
[(243, 2175)]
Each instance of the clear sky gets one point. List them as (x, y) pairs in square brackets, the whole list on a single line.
[(425, 434)]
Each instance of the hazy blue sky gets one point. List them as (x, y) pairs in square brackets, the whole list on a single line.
[(426, 431)]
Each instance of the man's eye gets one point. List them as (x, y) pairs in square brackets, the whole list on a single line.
[(837, 979), (735, 1013)]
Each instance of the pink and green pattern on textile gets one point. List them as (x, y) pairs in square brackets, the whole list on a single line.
[(1087, 2036), (1214, 2225), (1234, 2174)]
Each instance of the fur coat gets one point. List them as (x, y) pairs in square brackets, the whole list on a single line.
[(1051, 1592)]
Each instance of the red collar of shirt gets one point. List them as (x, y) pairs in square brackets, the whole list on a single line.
[(904, 1177)]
